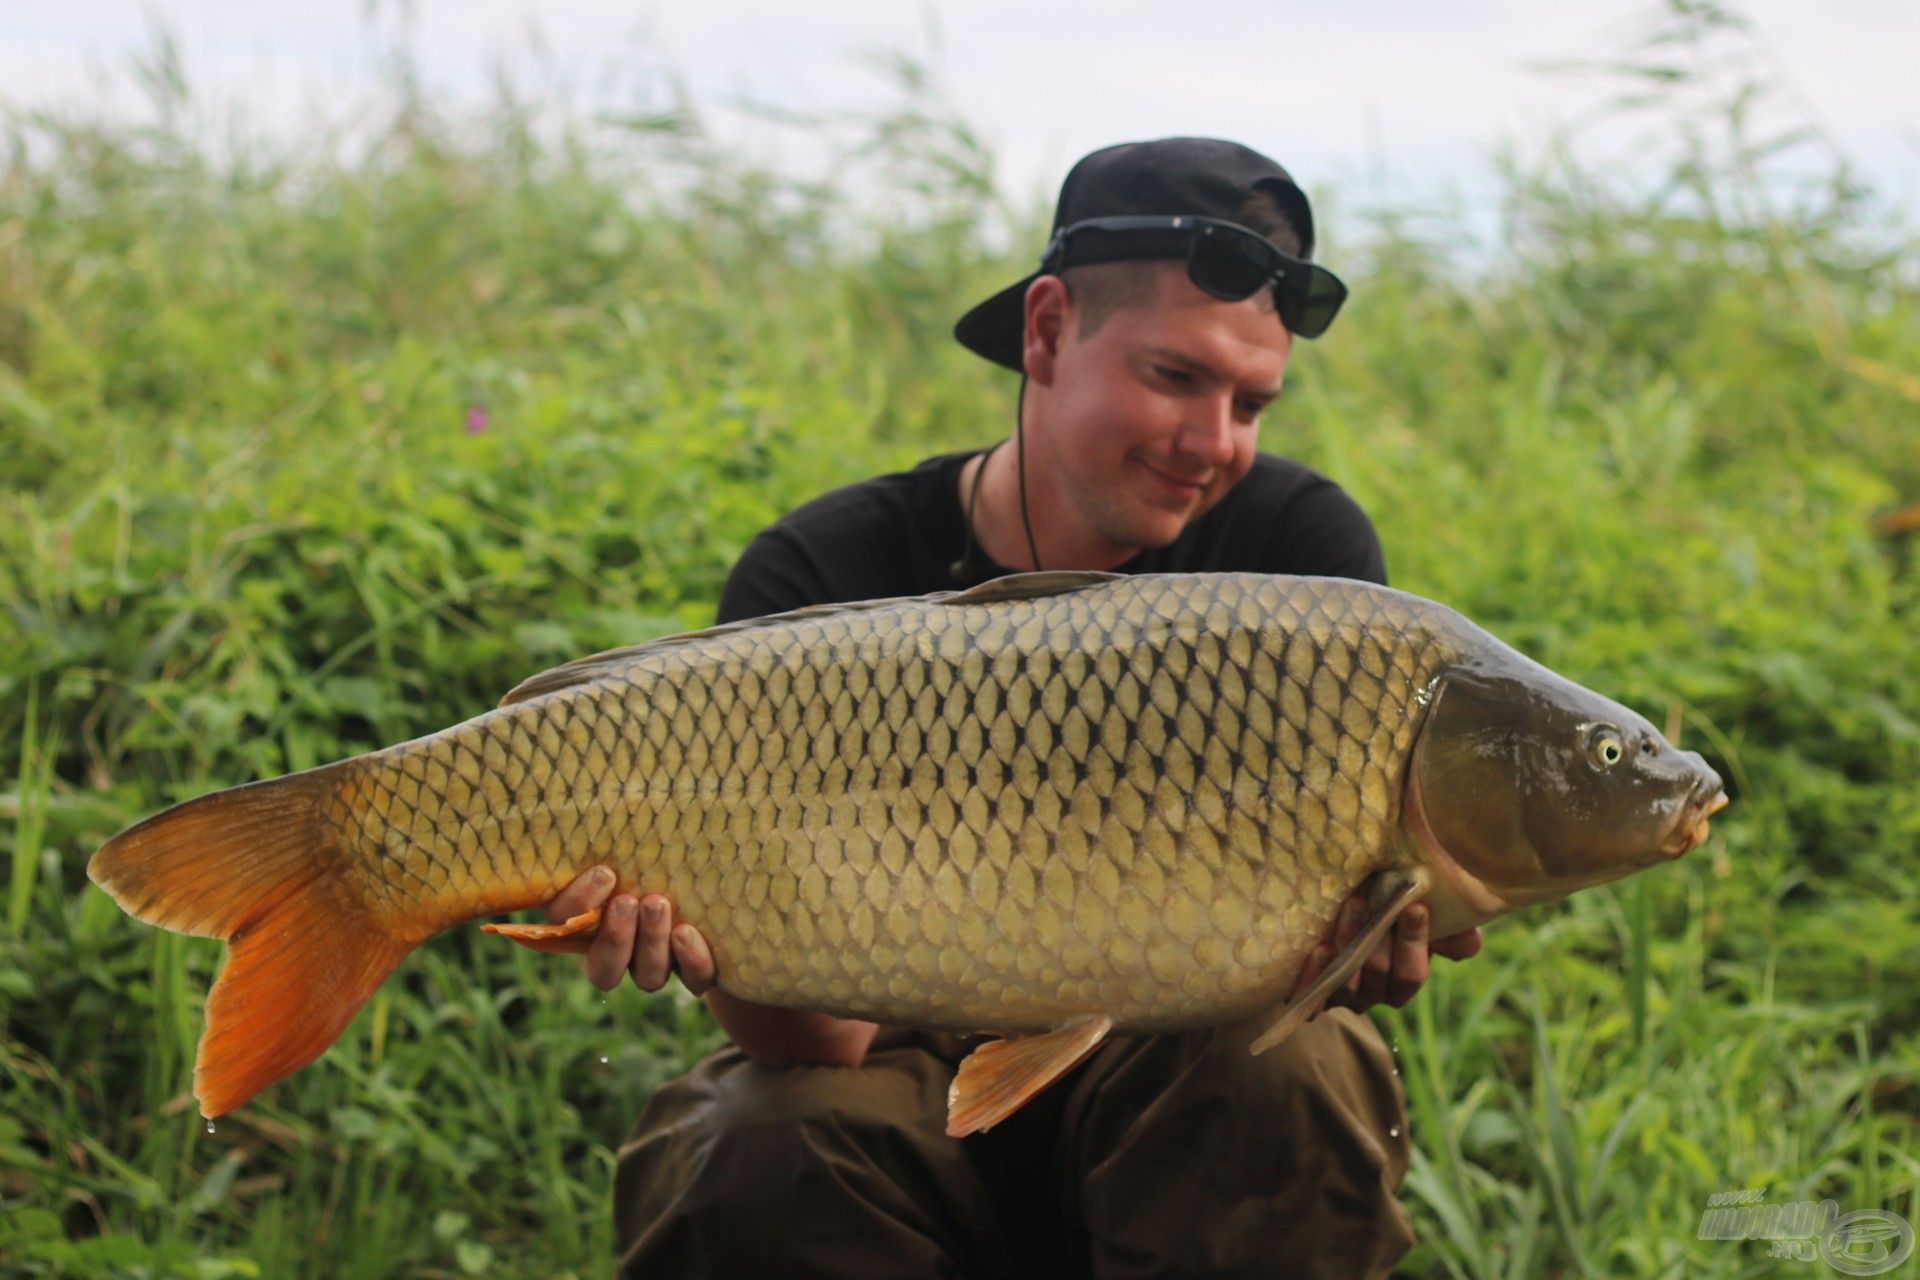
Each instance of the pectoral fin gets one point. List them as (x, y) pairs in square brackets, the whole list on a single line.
[(1392, 893), (999, 1077), (571, 937)]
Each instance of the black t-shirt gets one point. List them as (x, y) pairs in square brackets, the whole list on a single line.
[(899, 535)]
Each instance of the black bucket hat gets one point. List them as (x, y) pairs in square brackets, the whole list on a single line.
[(1173, 178)]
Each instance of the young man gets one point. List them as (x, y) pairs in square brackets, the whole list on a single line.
[(1156, 332)]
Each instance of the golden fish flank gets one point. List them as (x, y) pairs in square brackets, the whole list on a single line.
[(1056, 803), (954, 816)]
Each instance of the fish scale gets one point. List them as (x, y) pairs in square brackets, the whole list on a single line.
[(1148, 797)]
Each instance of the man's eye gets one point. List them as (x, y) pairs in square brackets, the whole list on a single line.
[(1178, 377)]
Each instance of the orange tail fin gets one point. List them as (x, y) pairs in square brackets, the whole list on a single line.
[(256, 865)]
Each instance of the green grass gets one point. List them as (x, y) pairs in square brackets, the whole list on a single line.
[(245, 528)]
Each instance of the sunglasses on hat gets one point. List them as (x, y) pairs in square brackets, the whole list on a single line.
[(1224, 259)]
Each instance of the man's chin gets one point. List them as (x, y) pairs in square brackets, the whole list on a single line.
[(1142, 525), (1160, 523), (1150, 531)]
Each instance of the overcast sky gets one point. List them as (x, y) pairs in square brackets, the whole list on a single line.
[(1383, 98)]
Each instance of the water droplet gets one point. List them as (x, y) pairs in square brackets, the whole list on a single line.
[(1395, 1046), (1394, 1132), (603, 1059), (209, 1126)]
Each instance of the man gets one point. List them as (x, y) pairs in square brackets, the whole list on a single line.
[(1156, 332)]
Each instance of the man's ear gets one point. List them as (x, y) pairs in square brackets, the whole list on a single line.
[(1048, 310)]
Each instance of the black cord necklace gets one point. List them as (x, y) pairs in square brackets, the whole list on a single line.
[(964, 567), (1020, 449)]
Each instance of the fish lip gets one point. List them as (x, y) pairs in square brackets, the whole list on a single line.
[(1692, 829)]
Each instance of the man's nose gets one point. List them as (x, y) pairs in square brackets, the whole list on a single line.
[(1207, 433)]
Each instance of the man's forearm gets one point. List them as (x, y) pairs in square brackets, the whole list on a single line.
[(783, 1037)]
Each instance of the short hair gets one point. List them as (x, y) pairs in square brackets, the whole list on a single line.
[(1100, 289)]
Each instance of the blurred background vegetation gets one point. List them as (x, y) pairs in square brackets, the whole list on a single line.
[(326, 442)]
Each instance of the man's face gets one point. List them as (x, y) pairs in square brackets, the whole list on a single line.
[(1149, 420)]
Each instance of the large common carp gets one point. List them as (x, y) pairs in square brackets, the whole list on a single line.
[(1054, 806)]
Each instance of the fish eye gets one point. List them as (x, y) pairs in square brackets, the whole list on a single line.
[(1605, 747)]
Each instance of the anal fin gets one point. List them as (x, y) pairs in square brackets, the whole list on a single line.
[(570, 937), (1001, 1076), (1393, 892)]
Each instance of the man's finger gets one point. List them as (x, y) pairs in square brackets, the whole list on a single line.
[(693, 959), (1409, 956), (1316, 964), (1346, 926), (607, 958), (588, 890), (1353, 914), (1374, 971), (652, 958), (1459, 946)]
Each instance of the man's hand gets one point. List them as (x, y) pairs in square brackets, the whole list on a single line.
[(1397, 968), (637, 936)]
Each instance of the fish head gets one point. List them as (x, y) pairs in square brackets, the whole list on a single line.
[(1532, 786)]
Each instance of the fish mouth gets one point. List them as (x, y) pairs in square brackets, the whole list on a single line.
[(1691, 831)]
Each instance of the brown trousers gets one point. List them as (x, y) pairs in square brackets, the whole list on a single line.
[(1169, 1155)]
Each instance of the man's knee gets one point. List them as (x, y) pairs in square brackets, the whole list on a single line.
[(1335, 1078), (1301, 1150), (735, 1134), (819, 1169)]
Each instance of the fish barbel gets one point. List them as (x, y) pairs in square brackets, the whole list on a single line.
[(1054, 806)]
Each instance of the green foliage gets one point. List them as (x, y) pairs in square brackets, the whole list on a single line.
[(305, 455)]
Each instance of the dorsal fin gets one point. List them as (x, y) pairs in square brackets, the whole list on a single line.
[(582, 670), (1017, 586), (1031, 586)]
